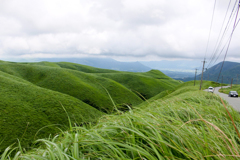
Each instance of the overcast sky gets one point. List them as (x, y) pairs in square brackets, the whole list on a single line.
[(126, 30)]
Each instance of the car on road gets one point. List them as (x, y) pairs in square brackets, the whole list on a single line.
[(233, 94), (210, 89)]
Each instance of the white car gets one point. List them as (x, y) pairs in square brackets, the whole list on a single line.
[(210, 89)]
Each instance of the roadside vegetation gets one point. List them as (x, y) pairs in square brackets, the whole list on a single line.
[(183, 87), (227, 90), (184, 124)]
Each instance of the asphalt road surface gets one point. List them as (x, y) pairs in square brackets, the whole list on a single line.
[(233, 101)]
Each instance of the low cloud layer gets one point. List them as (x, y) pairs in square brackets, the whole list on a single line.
[(120, 29)]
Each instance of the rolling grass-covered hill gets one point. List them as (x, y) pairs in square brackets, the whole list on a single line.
[(26, 108), (86, 87), (185, 124), (90, 88), (147, 84), (32, 94), (73, 66)]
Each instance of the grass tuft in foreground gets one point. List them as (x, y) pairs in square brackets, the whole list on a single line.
[(191, 125)]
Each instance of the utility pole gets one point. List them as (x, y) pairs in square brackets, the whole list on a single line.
[(222, 82), (237, 78), (205, 74), (231, 83), (202, 74), (195, 75)]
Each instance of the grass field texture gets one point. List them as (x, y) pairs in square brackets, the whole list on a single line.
[(33, 96), (185, 124)]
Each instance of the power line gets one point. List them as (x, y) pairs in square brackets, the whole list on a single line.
[(234, 27), (195, 75), (225, 44), (210, 28), (208, 41), (223, 35), (218, 40), (202, 74)]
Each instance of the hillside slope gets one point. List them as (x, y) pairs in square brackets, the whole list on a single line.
[(26, 108), (187, 124), (32, 94), (122, 86), (73, 66), (146, 84), (88, 88), (230, 70)]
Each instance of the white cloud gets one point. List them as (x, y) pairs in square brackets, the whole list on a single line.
[(136, 30)]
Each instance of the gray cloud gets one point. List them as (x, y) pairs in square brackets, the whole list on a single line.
[(121, 29)]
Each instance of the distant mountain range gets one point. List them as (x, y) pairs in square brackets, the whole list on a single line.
[(178, 65), (173, 69), (104, 63), (179, 69), (178, 74), (230, 70)]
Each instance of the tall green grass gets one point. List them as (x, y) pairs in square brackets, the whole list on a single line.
[(227, 90), (182, 88), (189, 125), (26, 108)]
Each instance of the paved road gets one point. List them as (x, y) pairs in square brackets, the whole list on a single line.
[(234, 102)]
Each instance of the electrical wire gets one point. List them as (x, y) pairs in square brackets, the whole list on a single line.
[(210, 28), (225, 45), (218, 40), (210, 31), (223, 36), (234, 27)]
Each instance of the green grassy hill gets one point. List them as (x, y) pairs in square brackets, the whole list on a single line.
[(146, 84), (92, 85), (86, 87), (32, 93), (185, 124), (74, 66), (26, 108), (181, 88)]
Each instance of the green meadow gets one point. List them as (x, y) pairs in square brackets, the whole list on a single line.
[(184, 123), (62, 110), (27, 109), (36, 98)]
